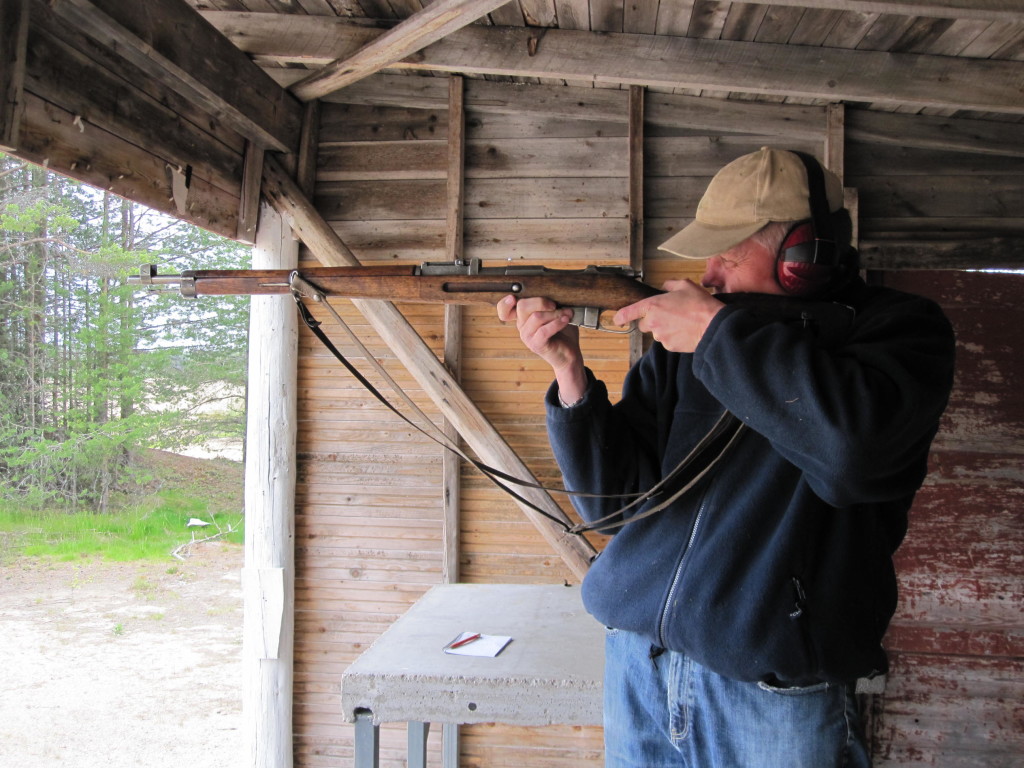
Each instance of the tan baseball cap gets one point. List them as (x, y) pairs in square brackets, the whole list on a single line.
[(764, 186)]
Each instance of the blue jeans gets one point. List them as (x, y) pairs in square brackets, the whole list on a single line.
[(663, 709)]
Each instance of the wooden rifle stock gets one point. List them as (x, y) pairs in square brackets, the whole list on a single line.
[(589, 291)]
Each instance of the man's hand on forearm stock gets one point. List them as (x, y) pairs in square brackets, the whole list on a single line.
[(545, 330)]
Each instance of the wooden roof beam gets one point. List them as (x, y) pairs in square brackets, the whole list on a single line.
[(832, 74), (983, 10), (418, 31), (162, 38)]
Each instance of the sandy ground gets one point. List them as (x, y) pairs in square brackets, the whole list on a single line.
[(122, 664)]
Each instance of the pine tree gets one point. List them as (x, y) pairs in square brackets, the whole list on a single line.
[(91, 371)]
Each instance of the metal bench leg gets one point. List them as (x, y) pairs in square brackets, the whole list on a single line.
[(450, 745), (367, 741), (418, 744)]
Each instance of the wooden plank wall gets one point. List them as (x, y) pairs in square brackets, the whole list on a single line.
[(954, 695), (922, 194)]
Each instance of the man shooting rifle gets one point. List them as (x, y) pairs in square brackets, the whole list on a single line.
[(742, 613)]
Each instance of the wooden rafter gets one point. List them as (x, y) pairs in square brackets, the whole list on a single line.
[(832, 74), (984, 10), (416, 32)]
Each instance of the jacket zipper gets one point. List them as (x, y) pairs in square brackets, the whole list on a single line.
[(679, 571)]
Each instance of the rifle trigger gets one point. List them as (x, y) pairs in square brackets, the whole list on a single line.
[(590, 317)]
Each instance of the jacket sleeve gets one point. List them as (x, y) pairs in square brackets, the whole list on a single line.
[(857, 418), (601, 448)]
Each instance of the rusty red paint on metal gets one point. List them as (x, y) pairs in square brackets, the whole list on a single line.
[(955, 692)]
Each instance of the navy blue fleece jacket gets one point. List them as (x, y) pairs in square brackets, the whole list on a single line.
[(777, 566)]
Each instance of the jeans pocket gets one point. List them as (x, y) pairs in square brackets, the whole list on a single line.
[(793, 690), (680, 698)]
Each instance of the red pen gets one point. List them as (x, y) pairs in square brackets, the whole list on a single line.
[(465, 641)]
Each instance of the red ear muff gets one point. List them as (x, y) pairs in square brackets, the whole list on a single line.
[(808, 262), (805, 264)]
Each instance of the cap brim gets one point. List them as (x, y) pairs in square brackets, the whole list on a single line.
[(702, 241)]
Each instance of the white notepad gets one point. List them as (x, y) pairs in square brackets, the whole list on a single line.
[(483, 645)]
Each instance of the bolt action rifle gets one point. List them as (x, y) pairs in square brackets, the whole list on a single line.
[(588, 292)]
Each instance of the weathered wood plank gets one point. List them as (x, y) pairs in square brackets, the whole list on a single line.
[(451, 485), (160, 37), (357, 122), (667, 62), (14, 17), (987, 253), (535, 158), (485, 199), (904, 160), (947, 711), (676, 111), (434, 22), (545, 241), (154, 119), (935, 132), (249, 198), (957, 639), (704, 156), (965, 196), (984, 10), (53, 137)]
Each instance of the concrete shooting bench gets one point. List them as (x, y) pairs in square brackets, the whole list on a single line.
[(551, 672)]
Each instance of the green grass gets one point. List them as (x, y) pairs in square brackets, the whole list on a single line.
[(149, 527)]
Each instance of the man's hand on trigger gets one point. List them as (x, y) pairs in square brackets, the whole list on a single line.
[(677, 319)]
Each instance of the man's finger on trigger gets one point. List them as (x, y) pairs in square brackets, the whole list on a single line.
[(629, 313)]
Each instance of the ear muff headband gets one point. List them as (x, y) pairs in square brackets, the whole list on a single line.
[(808, 259)]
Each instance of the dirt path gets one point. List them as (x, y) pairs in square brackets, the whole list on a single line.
[(122, 664)]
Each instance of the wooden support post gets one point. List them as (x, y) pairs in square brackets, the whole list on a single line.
[(309, 142), (424, 366), (450, 463), (13, 52), (835, 161), (249, 200), (268, 577), (835, 139), (636, 199)]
